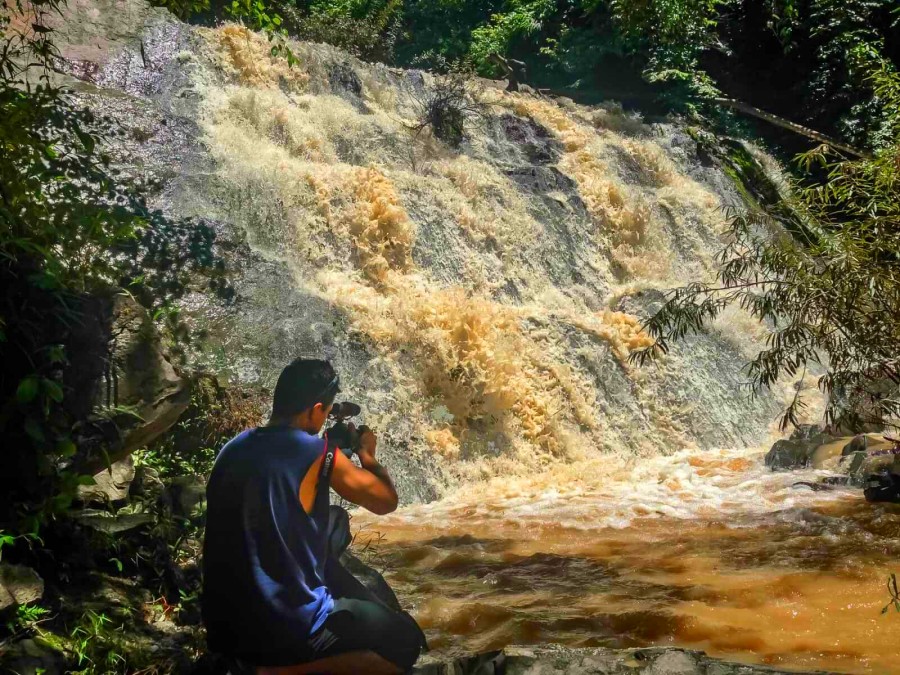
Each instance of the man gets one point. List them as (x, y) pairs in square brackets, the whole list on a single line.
[(266, 602)]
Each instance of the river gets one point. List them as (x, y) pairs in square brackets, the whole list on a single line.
[(707, 550)]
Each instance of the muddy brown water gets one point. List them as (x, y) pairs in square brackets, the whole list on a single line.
[(707, 550)]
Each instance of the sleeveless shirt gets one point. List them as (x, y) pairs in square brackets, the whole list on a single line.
[(264, 592)]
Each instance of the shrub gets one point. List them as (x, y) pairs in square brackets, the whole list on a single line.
[(449, 105), (368, 32), (215, 415)]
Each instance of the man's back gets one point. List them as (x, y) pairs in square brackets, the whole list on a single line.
[(263, 553)]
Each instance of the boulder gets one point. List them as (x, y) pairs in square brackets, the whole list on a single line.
[(33, 657), (859, 443), (372, 579), (883, 487), (558, 660), (866, 456), (789, 454), (110, 485), (132, 391), (112, 523), (19, 585), (797, 451), (141, 377)]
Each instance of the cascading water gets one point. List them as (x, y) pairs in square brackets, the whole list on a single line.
[(484, 301), (481, 305)]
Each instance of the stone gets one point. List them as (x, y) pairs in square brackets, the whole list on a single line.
[(19, 585), (142, 377), (799, 451), (789, 454), (343, 79), (883, 487), (110, 485), (859, 443), (112, 523), (33, 657), (559, 660), (372, 579)]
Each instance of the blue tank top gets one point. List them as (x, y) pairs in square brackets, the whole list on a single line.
[(264, 592)]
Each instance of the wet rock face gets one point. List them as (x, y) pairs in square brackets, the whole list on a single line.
[(536, 142), (527, 236), (555, 660), (343, 79)]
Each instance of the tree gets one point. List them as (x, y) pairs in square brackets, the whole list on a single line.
[(826, 279), (70, 227)]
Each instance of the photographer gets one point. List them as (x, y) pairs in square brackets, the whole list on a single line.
[(267, 600)]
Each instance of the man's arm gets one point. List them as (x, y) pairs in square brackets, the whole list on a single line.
[(370, 486)]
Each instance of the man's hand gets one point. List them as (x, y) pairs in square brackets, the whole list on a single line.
[(370, 486), (367, 443)]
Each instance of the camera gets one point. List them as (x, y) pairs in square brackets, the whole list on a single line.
[(339, 433)]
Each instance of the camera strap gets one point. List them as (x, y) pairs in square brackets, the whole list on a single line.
[(327, 463)]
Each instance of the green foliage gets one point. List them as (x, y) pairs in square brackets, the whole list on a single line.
[(838, 40), (368, 30), (96, 645), (669, 36), (8, 541), (521, 18), (829, 292), (183, 9), (27, 618), (71, 227), (442, 27)]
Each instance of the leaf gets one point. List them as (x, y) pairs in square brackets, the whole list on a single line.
[(34, 430), (27, 389), (65, 448), (53, 390)]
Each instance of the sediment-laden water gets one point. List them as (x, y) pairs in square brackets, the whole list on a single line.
[(707, 550)]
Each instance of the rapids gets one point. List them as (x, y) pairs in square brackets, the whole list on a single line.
[(707, 550)]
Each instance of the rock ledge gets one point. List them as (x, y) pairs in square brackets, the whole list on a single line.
[(559, 660)]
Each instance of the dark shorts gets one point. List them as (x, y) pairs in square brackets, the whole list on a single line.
[(366, 625), (361, 619)]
